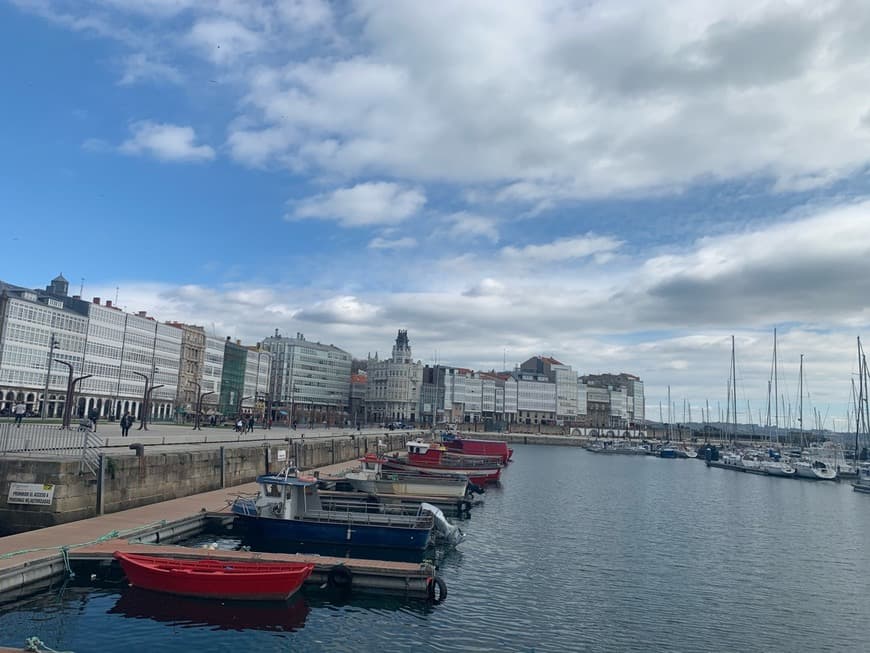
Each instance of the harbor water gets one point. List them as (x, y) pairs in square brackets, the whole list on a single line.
[(574, 551)]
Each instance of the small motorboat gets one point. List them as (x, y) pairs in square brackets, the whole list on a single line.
[(214, 578)]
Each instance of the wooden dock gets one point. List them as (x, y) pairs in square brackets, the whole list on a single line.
[(33, 561)]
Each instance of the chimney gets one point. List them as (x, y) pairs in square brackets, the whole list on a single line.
[(97, 301), (109, 303), (142, 313)]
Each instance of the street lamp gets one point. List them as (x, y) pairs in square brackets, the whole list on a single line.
[(143, 417), (54, 343), (239, 407), (70, 393), (199, 399)]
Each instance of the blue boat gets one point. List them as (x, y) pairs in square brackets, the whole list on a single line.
[(287, 510)]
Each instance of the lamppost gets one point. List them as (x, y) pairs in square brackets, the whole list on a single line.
[(54, 343), (143, 416), (70, 393), (199, 399), (239, 407)]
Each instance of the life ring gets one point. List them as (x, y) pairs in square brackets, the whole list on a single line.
[(437, 590), (340, 577)]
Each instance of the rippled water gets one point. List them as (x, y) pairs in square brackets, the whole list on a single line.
[(575, 551)]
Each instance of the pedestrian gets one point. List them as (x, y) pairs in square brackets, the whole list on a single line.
[(19, 411), (240, 425), (251, 423), (126, 423), (93, 415)]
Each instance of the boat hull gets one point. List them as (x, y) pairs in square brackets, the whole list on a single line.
[(476, 475), (215, 579), (474, 447), (418, 487), (345, 533), (815, 474)]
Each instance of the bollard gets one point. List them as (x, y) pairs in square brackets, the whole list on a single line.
[(139, 448)]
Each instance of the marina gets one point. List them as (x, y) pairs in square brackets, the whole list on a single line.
[(683, 530)]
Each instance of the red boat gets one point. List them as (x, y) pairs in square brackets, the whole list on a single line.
[(457, 444), (431, 457), (215, 579)]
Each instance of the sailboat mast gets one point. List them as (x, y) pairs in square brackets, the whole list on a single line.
[(860, 410), (734, 386), (801, 400), (775, 390)]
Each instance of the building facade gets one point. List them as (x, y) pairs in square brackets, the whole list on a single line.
[(233, 379), (37, 329), (394, 384), (611, 400), (212, 371), (310, 382), (190, 371)]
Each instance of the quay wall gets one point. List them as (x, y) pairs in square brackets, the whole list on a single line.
[(129, 480)]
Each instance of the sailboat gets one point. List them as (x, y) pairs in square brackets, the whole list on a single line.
[(862, 482), (810, 468), (771, 466)]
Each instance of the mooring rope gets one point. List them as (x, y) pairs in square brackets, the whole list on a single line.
[(38, 646)]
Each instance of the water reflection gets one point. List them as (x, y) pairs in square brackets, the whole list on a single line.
[(187, 612)]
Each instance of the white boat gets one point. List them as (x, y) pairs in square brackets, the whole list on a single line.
[(863, 482), (778, 468), (372, 479), (815, 470)]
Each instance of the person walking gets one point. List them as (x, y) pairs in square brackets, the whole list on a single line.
[(251, 424), (19, 410), (93, 415), (126, 423)]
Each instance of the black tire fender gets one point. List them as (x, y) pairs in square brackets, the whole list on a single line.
[(340, 576), (437, 589)]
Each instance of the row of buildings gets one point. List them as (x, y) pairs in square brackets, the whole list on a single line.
[(118, 362)]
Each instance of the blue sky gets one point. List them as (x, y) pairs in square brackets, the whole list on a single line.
[(619, 185)]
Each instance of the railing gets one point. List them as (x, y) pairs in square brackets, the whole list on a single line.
[(49, 441), (423, 520)]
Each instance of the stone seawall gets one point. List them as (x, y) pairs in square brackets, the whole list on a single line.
[(130, 481)]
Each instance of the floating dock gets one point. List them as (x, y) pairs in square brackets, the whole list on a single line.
[(735, 468), (37, 560)]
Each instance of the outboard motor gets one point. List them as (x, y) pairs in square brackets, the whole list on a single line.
[(445, 532)]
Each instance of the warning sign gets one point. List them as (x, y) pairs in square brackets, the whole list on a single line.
[(32, 493)]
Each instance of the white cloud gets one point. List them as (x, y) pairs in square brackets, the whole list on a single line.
[(138, 67), (371, 203), (465, 225), (165, 142), (608, 98), (563, 249), (224, 41), (397, 243)]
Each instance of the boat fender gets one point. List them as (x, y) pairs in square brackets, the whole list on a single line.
[(340, 576), (437, 589)]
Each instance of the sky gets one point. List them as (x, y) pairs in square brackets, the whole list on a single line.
[(621, 185)]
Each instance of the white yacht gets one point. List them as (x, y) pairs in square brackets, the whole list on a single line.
[(815, 470)]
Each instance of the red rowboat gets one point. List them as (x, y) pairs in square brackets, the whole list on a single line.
[(215, 579)]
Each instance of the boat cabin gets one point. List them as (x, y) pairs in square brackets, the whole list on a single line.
[(286, 495)]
